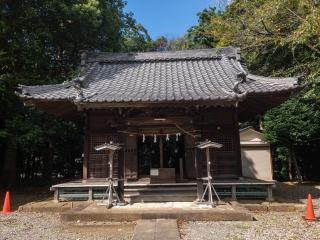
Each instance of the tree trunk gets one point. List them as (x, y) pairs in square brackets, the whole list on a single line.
[(294, 160), (290, 166), (10, 163)]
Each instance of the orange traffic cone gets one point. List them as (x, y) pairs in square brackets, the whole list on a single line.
[(310, 212), (6, 205)]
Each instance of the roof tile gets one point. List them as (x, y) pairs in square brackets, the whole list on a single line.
[(206, 74)]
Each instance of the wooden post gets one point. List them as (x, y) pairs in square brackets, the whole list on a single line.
[(198, 167), (56, 195), (111, 153), (86, 149), (209, 175), (161, 152), (121, 174), (234, 192), (110, 193), (90, 192), (237, 150), (269, 194), (181, 173)]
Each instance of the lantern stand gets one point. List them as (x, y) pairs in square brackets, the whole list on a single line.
[(112, 148), (209, 186)]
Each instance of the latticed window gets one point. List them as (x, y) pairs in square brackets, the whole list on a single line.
[(98, 163), (223, 160)]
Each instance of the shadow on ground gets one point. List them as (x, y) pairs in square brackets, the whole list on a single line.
[(296, 192), (22, 195)]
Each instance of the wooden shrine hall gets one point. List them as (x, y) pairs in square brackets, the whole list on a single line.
[(159, 106)]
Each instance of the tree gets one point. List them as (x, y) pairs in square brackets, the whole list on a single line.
[(294, 123), (39, 44), (277, 37), (200, 36)]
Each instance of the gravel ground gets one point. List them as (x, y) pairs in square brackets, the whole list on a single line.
[(269, 226), (48, 226)]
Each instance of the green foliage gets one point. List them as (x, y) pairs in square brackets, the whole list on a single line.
[(200, 36), (294, 122), (278, 38), (39, 44), (164, 44)]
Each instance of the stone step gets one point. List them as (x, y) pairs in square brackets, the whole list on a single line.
[(156, 229), (160, 198), (189, 212), (136, 194), (160, 193), (152, 189), (159, 186)]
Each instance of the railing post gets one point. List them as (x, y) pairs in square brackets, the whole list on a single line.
[(269, 194), (56, 195), (234, 192), (90, 192)]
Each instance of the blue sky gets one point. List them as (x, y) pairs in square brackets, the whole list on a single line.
[(170, 18)]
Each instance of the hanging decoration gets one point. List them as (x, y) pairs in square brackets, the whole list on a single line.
[(177, 136), (166, 134), (167, 137)]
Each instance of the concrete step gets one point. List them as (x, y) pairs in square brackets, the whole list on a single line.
[(160, 193), (130, 213), (156, 229), (153, 189), (160, 198)]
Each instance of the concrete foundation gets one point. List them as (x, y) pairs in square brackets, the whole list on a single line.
[(186, 211)]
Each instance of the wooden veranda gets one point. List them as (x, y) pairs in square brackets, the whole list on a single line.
[(144, 191)]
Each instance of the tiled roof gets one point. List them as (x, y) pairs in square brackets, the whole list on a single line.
[(205, 74)]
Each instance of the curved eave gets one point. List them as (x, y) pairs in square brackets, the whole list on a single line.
[(258, 103), (60, 108)]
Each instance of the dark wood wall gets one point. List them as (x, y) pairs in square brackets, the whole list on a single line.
[(222, 127), (100, 128), (216, 124)]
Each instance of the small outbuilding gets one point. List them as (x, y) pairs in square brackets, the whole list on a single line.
[(255, 155)]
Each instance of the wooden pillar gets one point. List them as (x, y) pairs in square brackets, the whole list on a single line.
[(181, 173), (237, 150), (86, 149), (121, 172), (161, 152), (198, 167)]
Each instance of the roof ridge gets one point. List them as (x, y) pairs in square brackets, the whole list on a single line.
[(176, 55)]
